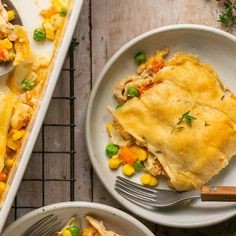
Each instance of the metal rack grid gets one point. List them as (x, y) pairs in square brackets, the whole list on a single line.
[(70, 71)]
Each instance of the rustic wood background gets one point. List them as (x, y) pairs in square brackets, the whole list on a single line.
[(103, 27)]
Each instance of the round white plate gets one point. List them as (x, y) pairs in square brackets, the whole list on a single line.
[(113, 219), (213, 46)]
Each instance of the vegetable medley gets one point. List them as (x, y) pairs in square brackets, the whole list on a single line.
[(25, 83), (94, 228), (53, 19), (123, 150)]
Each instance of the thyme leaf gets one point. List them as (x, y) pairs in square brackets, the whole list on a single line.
[(188, 119), (228, 16)]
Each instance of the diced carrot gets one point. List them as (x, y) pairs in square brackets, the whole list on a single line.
[(157, 65), (144, 88), (49, 12), (3, 176), (127, 156), (2, 55)]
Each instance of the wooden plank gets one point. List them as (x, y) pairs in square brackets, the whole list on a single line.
[(83, 189), (104, 26)]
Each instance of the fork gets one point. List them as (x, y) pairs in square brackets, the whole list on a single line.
[(164, 198), (47, 226)]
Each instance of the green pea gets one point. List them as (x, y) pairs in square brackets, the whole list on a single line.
[(63, 12), (112, 149), (119, 106), (138, 165), (39, 34), (27, 84), (74, 230), (140, 57), (132, 92)]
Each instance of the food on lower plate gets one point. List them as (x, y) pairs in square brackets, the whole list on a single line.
[(14, 43), (95, 228), (175, 118), (20, 96)]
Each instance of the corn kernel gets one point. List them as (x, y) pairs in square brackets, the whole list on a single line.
[(50, 34), (9, 163), (128, 170), (146, 179), (114, 162), (57, 4), (17, 135), (140, 152), (66, 232), (10, 15), (109, 128), (2, 187), (6, 43), (12, 145), (154, 182)]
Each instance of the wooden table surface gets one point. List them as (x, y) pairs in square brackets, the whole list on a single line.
[(103, 27)]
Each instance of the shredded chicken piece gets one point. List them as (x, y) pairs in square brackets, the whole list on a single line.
[(152, 165), (5, 27), (21, 116), (90, 231), (118, 127), (99, 226), (115, 136), (120, 91)]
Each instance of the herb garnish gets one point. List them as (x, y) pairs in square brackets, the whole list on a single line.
[(228, 16), (158, 152), (188, 119), (176, 127)]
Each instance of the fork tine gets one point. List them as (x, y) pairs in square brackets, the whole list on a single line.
[(139, 186), (133, 198), (134, 190), (38, 224), (56, 229), (38, 227), (43, 229), (50, 229), (135, 195)]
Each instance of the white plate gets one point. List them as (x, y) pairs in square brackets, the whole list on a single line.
[(29, 9), (113, 219), (214, 47)]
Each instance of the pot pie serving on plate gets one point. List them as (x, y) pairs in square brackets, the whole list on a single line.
[(175, 118)]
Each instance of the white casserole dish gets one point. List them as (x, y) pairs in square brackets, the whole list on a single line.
[(26, 12)]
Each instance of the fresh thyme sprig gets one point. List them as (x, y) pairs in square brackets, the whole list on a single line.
[(188, 119), (228, 15)]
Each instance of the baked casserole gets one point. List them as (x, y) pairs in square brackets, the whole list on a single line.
[(20, 93), (174, 119)]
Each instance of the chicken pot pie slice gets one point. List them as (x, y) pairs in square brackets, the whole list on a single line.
[(186, 120)]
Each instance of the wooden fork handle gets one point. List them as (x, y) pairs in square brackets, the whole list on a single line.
[(218, 193)]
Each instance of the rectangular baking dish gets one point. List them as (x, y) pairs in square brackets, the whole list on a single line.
[(20, 165)]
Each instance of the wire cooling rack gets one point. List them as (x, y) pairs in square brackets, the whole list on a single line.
[(44, 153)]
